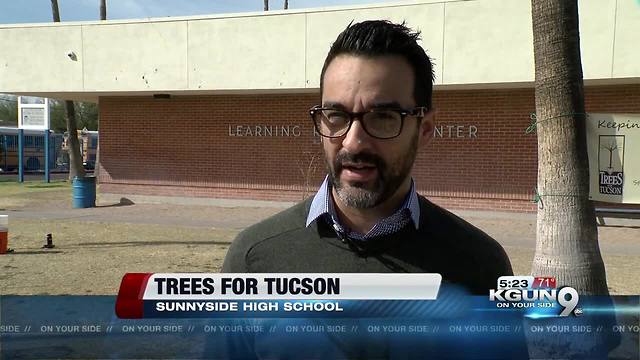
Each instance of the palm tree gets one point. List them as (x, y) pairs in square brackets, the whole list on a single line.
[(103, 9), (75, 158), (567, 237)]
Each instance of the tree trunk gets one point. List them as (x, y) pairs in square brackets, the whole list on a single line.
[(73, 146), (266, 5), (103, 9), (567, 236), (55, 11)]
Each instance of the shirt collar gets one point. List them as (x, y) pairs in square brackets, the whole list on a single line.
[(321, 204)]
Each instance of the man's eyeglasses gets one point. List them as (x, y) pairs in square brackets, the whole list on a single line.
[(378, 123)]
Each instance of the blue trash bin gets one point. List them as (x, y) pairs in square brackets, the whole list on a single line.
[(84, 192)]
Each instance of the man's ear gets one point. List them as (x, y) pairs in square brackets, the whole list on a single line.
[(427, 126)]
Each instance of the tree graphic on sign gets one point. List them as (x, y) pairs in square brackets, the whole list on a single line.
[(611, 146)]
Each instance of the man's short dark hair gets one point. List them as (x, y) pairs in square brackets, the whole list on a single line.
[(379, 38)]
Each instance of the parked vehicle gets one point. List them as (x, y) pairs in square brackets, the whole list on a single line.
[(34, 150)]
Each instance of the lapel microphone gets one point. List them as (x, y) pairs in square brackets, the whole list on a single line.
[(362, 252), (350, 242)]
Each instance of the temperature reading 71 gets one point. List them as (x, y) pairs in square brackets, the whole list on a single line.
[(544, 282)]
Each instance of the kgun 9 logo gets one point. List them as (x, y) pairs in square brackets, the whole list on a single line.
[(567, 297)]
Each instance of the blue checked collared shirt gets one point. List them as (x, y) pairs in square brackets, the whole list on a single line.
[(322, 206)]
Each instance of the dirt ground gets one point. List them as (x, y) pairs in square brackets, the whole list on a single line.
[(95, 247)]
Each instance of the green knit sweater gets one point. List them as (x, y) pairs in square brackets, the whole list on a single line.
[(443, 243)]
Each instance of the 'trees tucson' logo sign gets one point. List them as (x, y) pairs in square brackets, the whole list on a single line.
[(610, 164)]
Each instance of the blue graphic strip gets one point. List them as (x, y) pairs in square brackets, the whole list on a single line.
[(34, 327)]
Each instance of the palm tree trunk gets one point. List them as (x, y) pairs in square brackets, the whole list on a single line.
[(103, 9), (73, 146), (567, 237), (55, 11)]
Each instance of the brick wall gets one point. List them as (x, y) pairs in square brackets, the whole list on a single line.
[(497, 168), (481, 158)]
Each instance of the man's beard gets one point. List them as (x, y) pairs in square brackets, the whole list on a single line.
[(390, 177)]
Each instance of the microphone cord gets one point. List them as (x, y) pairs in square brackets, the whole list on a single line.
[(361, 251), (349, 242)]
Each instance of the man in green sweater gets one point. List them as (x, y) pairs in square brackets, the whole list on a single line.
[(375, 114)]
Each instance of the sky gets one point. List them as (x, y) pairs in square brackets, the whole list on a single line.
[(33, 11)]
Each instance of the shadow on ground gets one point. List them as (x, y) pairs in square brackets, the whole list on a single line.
[(123, 202), (147, 243), (46, 186), (619, 226), (35, 252)]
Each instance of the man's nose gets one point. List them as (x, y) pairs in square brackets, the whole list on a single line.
[(356, 139)]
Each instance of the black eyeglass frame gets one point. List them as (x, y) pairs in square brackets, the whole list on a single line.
[(418, 112)]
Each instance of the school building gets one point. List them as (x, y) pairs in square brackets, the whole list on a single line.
[(217, 106)]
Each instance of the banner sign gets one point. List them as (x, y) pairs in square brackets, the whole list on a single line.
[(613, 144)]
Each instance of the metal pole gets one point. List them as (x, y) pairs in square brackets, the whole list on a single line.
[(47, 178), (20, 155), (55, 152), (5, 148)]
